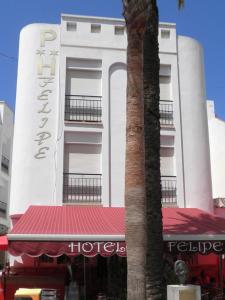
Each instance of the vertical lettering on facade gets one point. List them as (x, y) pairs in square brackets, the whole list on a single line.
[(46, 72)]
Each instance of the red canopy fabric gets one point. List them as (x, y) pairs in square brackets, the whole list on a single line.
[(192, 224), (92, 230), (190, 230), (3, 243), (62, 222), (70, 230)]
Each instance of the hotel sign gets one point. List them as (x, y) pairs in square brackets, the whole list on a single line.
[(93, 248), (47, 57), (201, 247), (107, 248), (55, 249)]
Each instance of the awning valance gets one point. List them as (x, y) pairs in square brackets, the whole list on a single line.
[(3, 243), (92, 230), (70, 248)]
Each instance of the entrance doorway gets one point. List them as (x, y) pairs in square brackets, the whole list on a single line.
[(93, 277)]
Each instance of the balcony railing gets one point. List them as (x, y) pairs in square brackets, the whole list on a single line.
[(83, 108), (169, 190), (82, 188), (5, 164), (166, 112)]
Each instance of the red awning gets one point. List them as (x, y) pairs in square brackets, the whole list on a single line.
[(60, 223), (192, 224), (3, 243), (190, 230), (92, 230), (71, 230)]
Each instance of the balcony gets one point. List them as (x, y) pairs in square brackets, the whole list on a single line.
[(5, 164), (169, 190), (83, 108), (166, 112), (82, 188)]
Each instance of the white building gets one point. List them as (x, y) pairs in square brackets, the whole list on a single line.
[(6, 137), (69, 144), (70, 119), (217, 150)]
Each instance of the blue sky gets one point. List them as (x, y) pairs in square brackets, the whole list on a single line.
[(200, 19)]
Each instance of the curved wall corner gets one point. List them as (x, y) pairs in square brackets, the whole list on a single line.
[(36, 118), (194, 126), (117, 132)]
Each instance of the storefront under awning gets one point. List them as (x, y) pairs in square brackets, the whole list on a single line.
[(92, 230)]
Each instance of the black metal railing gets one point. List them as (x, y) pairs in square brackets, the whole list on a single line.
[(82, 188), (169, 189), (5, 164), (166, 112), (83, 108)]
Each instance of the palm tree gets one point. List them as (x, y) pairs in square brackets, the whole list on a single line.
[(144, 247), (135, 17), (154, 246)]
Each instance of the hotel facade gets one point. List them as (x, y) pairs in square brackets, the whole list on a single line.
[(68, 165), (70, 116)]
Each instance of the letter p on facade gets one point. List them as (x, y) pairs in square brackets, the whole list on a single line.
[(47, 35)]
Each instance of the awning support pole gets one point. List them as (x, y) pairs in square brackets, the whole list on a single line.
[(220, 271), (84, 277)]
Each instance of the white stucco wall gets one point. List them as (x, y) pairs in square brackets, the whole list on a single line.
[(168, 57), (117, 132), (36, 118), (217, 151), (105, 52), (196, 157), (6, 137)]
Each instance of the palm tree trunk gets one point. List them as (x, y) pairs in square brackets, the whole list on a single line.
[(134, 180), (135, 16), (154, 247)]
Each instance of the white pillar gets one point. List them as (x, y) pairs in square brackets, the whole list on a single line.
[(197, 172)]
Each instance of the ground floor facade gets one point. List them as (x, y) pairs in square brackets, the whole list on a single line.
[(81, 253), (80, 277), (77, 277)]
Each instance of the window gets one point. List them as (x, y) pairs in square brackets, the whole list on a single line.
[(165, 87), (95, 28), (71, 26), (119, 30), (167, 161), (165, 34)]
